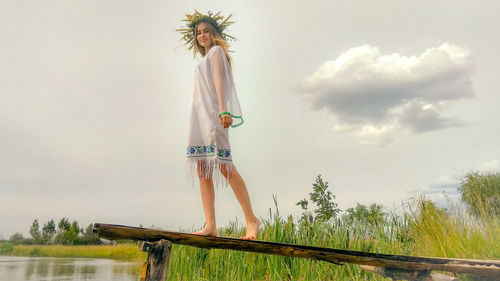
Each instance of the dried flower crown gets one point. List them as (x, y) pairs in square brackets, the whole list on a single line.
[(217, 21)]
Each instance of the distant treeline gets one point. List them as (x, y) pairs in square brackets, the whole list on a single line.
[(64, 233)]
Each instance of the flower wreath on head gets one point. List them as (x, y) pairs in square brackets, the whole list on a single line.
[(217, 21)]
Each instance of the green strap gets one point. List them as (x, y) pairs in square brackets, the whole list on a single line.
[(238, 117), (224, 113)]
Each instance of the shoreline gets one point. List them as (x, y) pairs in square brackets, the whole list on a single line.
[(121, 252)]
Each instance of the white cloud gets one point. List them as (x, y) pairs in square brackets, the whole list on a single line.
[(374, 95), (489, 167), (375, 135)]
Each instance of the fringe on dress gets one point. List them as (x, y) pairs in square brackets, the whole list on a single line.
[(208, 168)]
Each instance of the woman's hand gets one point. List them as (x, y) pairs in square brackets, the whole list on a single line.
[(226, 120)]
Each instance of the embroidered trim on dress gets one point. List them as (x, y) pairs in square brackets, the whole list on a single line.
[(224, 154), (203, 162), (201, 150)]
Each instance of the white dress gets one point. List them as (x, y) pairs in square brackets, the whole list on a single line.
[(214, 92)]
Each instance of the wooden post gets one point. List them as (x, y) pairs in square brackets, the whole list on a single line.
[(156, 266)]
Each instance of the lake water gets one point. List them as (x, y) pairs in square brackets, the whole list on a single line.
[(52, 269)]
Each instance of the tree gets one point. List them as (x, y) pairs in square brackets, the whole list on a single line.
[(306, 214), (370, 216), (63, 225), (73, 232), (35, 232), (48, 231), (89, 237), (326, 208), (366, 219), (481, 193), (16, 238), (62, 236)]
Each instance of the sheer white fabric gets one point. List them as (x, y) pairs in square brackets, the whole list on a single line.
[(214, 92)]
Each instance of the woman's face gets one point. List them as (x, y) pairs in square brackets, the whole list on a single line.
[(203, 35)]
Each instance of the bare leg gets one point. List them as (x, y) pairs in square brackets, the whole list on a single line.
[(207, 198), (240, 191)]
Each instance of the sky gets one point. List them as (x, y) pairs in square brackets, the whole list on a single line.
[(387, 100)]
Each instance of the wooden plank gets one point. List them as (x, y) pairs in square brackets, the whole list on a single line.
[(410, 263)]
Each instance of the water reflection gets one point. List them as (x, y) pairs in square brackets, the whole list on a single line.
[(88, 272), (51, 269)]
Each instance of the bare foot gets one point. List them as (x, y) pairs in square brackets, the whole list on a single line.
[(210, 231), (252, 228)]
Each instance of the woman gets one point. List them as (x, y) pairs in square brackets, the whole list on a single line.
[(215, 107)]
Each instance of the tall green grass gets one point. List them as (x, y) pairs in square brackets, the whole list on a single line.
[(421, 229), (454, 233)]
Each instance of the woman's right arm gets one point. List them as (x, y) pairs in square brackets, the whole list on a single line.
[(219, 70)]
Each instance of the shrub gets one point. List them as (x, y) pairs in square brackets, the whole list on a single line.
[(5, 248), (482, 194), (16, 238)]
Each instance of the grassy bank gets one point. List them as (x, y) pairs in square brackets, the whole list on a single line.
[(126, 252)]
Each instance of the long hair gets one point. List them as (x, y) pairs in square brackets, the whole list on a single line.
[(216, 40)]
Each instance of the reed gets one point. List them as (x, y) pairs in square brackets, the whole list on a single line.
[(421, 229)]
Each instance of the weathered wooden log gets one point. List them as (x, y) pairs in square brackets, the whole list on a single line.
[(409, 263)]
